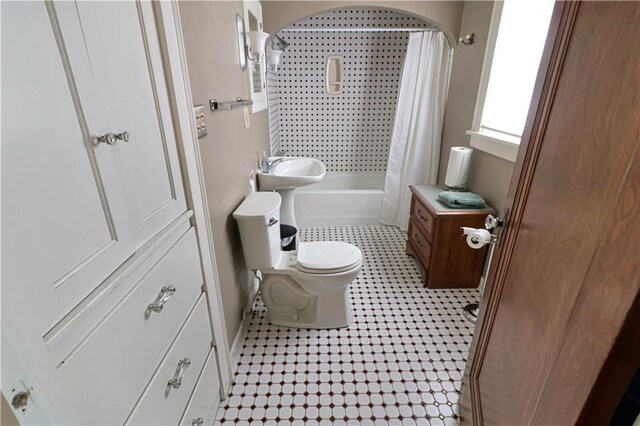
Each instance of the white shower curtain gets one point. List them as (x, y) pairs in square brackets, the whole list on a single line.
[(415, 144)]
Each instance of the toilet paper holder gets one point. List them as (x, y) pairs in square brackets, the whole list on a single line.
[(476, 238)]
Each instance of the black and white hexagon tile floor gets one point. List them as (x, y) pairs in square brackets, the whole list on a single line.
[(399, 363)]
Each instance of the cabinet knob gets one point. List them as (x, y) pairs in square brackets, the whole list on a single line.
[(112, 138), (123, 136), (107, 138)]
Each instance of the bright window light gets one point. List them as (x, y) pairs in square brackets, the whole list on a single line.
[(521, 38)]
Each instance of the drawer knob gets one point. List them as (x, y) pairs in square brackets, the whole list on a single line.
[(197, 422), (176, 380), (165, 294)]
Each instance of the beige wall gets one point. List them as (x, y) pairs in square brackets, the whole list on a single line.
[(445, 14), (228, 151), (489, 175)]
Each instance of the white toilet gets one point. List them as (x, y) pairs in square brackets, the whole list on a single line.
[(305, 288)]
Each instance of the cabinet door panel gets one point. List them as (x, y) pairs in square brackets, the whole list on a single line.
[(120, 42), (64, 230)]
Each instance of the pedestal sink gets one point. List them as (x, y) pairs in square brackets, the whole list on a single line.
[(287, 174)]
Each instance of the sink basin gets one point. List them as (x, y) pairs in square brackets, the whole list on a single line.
[(286, 175), (289, 173)]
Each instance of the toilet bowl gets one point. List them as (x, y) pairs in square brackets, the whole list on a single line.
[(304, 288)]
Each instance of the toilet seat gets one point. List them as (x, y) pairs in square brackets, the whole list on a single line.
[(327, 257)]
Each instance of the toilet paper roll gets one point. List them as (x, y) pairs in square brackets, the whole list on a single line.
[(477, 238), (458, 167)]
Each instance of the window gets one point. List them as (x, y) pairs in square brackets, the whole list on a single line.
[(514, 47)]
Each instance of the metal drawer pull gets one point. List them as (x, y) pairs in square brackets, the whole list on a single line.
[(197, 422), (165, 294), (176, 381), (418, 241), (421, 216)]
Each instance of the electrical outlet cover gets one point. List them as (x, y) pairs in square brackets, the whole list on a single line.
[(201, 124)]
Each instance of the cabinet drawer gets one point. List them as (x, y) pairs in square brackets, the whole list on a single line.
[(420, 243), (206, 397), (107, 373), (161, 403), (423, 217)]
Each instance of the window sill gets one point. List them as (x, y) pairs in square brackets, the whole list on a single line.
[(503, 148)]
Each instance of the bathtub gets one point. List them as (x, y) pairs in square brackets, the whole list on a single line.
[(341, 198)]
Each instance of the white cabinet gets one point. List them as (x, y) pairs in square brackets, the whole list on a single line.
[(93, 231), (80, 208), (167, 395), (202, 408), (145, 336)]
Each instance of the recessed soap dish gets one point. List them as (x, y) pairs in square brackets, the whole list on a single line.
[(334, 75)]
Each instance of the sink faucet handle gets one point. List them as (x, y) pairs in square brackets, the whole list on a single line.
[(281, 152)]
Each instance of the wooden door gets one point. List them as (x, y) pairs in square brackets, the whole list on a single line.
[(73, 209), (558, 334)]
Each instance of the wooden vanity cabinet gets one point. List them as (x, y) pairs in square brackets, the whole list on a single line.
[(435, 239)]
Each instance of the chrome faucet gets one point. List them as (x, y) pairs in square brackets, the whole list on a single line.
[(273, 163)]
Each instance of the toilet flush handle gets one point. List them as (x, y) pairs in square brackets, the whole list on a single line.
[(272, 221)]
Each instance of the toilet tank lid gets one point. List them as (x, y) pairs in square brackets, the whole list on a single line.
[(258, 205)]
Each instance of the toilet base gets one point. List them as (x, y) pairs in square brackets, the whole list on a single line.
[(297, 308)]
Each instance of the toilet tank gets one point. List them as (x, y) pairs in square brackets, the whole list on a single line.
[(259, 223)]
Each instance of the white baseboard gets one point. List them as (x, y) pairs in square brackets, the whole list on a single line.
[(238, 342)]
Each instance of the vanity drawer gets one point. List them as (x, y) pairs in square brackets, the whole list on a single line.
[(161, 403), (206, 397), (423, 217), (108, 371), (419, 242)]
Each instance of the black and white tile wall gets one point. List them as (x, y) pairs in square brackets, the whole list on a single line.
[(273, 99), (400, 362), (351, 131)]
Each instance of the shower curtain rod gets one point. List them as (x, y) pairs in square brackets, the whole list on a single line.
[(356, 30)]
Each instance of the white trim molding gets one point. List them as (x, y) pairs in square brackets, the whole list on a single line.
[(503, 146), (170, 29), (506, 148)]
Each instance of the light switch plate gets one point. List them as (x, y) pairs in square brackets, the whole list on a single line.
[(246, 117), (201, 124)]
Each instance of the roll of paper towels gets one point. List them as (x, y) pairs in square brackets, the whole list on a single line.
[(477, 238), (458, 167)]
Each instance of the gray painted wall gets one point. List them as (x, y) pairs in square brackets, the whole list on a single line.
[(229, 150), (489, 175)]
